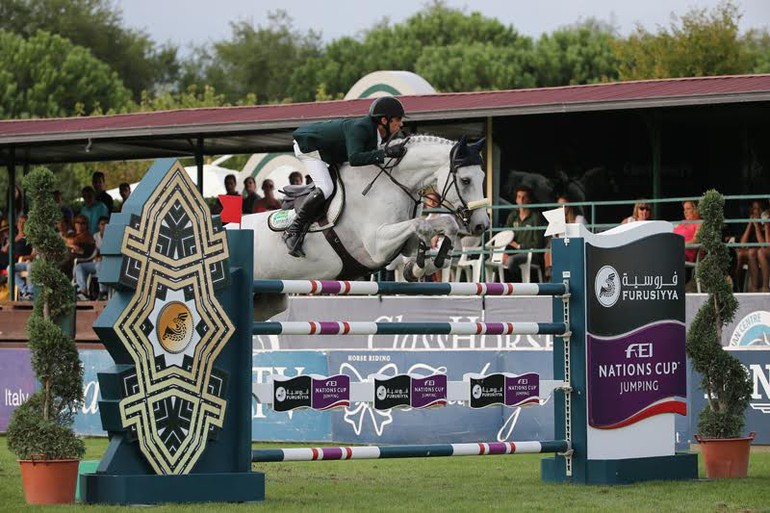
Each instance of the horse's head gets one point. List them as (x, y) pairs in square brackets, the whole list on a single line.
[(461, 186)]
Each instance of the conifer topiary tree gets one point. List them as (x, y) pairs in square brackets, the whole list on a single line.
[(42, 426), (723, 378)]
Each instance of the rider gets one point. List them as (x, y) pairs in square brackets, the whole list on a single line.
[(319, 145)]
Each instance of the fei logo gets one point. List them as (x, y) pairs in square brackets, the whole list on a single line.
[(639, 350), (607, 286)]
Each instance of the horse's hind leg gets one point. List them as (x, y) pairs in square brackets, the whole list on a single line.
[(268, 305)]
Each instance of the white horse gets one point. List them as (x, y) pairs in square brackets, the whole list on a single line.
[(377, 226)]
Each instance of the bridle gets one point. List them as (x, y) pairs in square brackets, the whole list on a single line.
[(456, 161)]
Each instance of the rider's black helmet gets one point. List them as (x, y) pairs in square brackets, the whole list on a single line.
[(386, 106)]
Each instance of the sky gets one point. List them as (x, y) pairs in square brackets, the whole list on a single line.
[(198, 22)]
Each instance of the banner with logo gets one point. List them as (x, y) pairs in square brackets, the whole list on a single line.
[(757, 363), (17, 381), (88, 421), (636, 331), (289, 426)]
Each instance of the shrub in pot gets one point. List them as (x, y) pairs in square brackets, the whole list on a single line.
[(724, 381), (40, 430)]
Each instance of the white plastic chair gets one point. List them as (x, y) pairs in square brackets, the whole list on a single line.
[(527, 268), (469, 264), (495, 265)]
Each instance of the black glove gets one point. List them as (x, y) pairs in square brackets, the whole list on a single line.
[(395, 151)]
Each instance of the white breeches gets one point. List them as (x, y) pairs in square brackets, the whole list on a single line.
[(317, 169)]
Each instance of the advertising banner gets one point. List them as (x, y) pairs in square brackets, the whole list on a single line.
[(757, 364), (291, 426), (17, 382), (636, 331), (88, 421)]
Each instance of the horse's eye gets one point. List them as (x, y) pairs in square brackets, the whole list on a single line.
[(465, 181)]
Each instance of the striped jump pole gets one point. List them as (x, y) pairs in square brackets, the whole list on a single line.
[(408, 451), (407, 328), (370, 288)]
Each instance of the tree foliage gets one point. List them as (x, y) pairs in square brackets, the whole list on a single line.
[(42, 425), (724, 381), (47, 76), (256, 62), (700, 43), (98, 26), (577, 54)]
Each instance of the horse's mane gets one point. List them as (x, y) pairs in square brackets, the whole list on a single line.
[(428, 139)]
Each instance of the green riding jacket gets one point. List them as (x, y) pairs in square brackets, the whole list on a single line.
[(342, 140)]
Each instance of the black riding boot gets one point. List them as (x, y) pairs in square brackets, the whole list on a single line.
[(294, 235)]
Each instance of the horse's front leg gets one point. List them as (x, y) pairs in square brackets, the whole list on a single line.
[(392, 238)]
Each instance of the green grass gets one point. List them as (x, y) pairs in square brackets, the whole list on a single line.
[(504, 483)]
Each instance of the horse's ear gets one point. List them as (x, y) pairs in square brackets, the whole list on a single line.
[(479, 145), (463, 141)]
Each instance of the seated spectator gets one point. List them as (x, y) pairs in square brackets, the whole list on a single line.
[(250, 195), (230, 190), (688, 228), (754, 257), (97, 182), (295, 178), (80, 245), (65, 228), (571, 216), (91, 267), (269, 201), (23, 254), (642, 212), (124, 189), (92, 210), (520, 220)]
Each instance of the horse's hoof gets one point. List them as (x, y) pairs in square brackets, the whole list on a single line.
[(297, 252)]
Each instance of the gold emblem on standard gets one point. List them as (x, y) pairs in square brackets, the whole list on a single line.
[(174, 329)]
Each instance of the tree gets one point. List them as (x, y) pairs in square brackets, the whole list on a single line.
[(98, 26), (257, 60), (48, 76), (475, 67), (577, 54), (435, 32), (701, 43)]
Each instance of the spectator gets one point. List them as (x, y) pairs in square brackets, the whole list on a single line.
[(24, 254), (688, 228), (80, 245), (522, 221), (269, 201), (642, 212), (754, 257), (92, 209), (230, 190), (97, 181), (4, 232), (432, 201), (124, 189), (571, 214), (65, 228), (295, 178), (18, 201), (84, 269), (250, 195), (571, 217), (65, 210)]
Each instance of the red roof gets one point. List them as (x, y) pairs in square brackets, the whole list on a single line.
[(232, 122), (415, 105)]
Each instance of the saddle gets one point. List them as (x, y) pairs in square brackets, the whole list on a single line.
[(295, 195)]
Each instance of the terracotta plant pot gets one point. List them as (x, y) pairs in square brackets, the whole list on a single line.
[(49, 481), (726, 457)]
